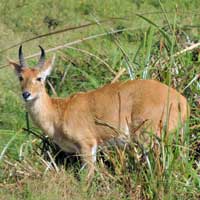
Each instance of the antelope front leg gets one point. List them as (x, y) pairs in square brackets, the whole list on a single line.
[(88, 153)]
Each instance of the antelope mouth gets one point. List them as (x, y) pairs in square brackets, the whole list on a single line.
[(28, 97)]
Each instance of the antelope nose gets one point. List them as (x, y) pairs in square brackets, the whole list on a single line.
[(26, 95)]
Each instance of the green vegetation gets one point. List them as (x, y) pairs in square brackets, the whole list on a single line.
[(144, 37)]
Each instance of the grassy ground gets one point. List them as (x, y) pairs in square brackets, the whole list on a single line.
[(152, 32)]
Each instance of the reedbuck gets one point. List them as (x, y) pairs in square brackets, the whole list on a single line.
[(117, 112)]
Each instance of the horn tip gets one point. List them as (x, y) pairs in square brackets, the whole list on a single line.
[(40, 46), (42, 57), (42, 50)]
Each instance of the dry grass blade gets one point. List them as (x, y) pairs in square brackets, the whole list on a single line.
[(63, 79), (53, 162), (22, 169), (73, 43), (60, 31), (95, 56), (117, 43), (118, 75), (193, 46), (52, 88), (190, 48)]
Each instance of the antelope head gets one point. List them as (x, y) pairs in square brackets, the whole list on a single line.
[(32, 81)]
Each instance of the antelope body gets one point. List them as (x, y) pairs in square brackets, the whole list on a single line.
[(82, 122)]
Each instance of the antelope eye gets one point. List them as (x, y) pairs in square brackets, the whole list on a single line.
[(21, 78), (39, 79)]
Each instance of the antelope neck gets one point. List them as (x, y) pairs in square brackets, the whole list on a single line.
[(42, 113)]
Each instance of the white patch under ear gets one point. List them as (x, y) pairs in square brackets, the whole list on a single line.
[(46, 70), (45, 73)]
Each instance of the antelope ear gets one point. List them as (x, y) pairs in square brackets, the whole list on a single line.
[(46, 69), (15, 66)]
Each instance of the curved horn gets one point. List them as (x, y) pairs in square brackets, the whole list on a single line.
[(42, 57), (21, 57)]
